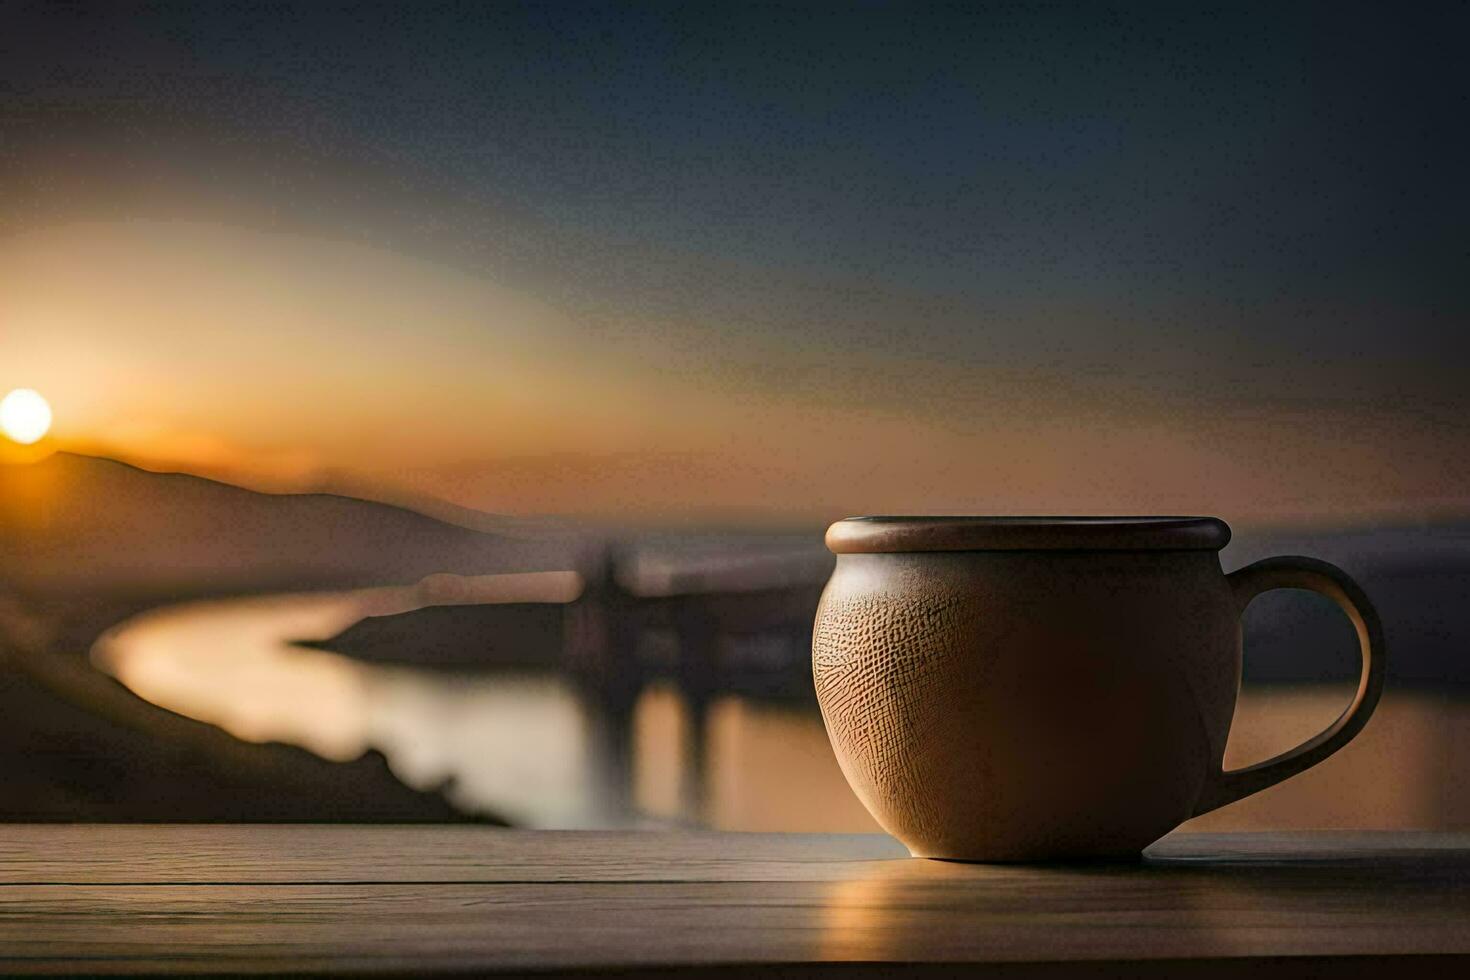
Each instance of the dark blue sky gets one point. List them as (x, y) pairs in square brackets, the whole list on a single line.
[(1241, 205)]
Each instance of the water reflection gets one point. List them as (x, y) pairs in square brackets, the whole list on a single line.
[(515, 745), (529, 747), (533, 748)]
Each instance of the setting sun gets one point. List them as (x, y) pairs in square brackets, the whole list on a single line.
[(25, 416)]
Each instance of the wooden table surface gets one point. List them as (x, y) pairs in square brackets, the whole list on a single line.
[(252, 898)]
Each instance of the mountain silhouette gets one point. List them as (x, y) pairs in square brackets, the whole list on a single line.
[(73, 523)]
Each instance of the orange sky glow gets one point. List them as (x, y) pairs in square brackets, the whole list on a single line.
[(289, 362)]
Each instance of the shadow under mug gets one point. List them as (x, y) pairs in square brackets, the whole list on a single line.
[(1040, 688)]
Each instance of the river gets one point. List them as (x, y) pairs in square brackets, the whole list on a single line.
[(524, 746)]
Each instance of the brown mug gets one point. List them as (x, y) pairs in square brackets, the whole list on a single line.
[(1038, 688)]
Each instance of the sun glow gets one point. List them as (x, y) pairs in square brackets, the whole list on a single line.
[(25, 416)]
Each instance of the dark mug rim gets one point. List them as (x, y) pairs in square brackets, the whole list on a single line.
[(897, 534)]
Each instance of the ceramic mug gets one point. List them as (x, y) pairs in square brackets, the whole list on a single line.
[(1017, 689)]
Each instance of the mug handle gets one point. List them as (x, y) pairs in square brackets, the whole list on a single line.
[(1328, 580)]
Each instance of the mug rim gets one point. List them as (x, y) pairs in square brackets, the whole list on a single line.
[(891, 534)]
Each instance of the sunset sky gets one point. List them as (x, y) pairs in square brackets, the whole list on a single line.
[(675, 263)]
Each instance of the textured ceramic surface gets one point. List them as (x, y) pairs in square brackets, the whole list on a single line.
[(1062, 690)]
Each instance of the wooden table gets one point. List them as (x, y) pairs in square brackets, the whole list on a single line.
[(109, 898)]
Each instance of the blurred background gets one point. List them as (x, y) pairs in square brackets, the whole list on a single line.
[(431, 412)]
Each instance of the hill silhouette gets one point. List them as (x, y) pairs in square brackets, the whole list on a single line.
[(72, 523), (82, 530)]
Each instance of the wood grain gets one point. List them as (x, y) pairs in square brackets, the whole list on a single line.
[(321, 854), (415, 899)]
